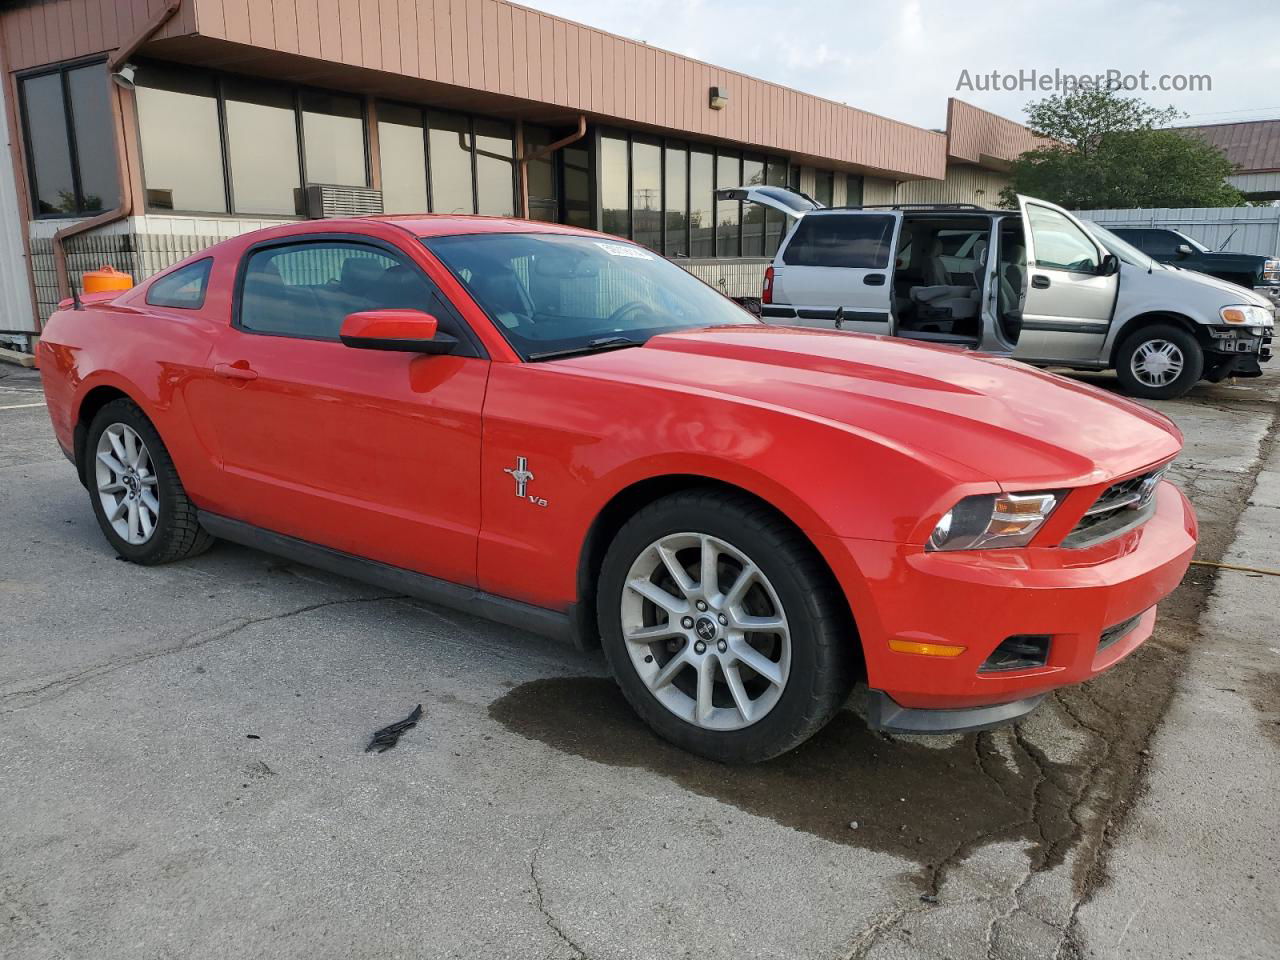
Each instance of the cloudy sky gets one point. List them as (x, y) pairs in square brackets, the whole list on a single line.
[(903, 58)]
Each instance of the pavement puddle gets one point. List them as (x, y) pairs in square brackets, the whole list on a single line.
[(928, 804)]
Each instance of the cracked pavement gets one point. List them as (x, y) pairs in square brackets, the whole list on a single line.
[(182, 771)]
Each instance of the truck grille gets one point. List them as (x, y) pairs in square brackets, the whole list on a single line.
[(1122, 506)]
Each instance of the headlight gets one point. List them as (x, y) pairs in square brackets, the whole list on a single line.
[(1256, 316), (993, 520), (1271, 271)]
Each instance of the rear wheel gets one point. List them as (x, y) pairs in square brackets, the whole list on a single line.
[(723, 628), (137, 496), (1159, 362)]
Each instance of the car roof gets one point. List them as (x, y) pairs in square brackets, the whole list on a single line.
[(449, 224)]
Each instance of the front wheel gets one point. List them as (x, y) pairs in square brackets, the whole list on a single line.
[(1159, 362), (723, 628)]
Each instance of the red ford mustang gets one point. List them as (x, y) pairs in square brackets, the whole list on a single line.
[(564, 432)]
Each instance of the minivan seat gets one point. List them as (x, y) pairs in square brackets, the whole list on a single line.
[(940, 293)]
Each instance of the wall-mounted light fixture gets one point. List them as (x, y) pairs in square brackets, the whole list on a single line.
[(125, 75), (719, 98)]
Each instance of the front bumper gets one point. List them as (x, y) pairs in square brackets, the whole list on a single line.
[(977, 599), (1269, 290)]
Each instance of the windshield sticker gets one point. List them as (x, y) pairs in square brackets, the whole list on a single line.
[(624, 250)]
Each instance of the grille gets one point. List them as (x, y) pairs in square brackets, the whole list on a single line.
[(1122, 506), (1121, 629)]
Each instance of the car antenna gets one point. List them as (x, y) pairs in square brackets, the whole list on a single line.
[(75, 296), (1230, 236)]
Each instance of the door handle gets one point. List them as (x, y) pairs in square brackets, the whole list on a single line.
[(1040, 282), (874, 279), (234, 371)]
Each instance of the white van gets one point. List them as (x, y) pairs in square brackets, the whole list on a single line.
[(1034, 283)]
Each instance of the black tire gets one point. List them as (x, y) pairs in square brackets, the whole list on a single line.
[(823, 638), (177, 534), (1192, 369)]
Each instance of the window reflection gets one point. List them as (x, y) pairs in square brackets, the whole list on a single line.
[(333, 139), (578, 201), (825, 187), (452, 188), (752, 213), (402, 153), (701, 215), (262, 141), (677, 201), (728, 174), (95, 140), (181, 140), (646, 192), (613, 186), (775, 222), (541, 175), (495, 168), (47, 144)]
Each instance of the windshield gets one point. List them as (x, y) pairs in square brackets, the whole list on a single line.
[(549, 293), (1121, 248)]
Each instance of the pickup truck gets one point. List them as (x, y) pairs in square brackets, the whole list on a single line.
[(1179, 250)]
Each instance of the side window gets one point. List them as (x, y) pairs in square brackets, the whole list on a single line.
[(1162, 243), (1059, 243), (184, 288), (1137, 237), (307, 289), (840, 240)]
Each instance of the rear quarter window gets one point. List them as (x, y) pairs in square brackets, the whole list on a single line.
[(841, 240), (184, 288)]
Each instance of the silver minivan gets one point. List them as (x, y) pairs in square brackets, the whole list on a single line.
[(1035, 283)]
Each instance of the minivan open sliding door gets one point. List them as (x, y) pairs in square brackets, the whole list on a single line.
[(835, 270), (1071, 287)]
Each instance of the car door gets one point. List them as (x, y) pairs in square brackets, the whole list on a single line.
[(370, 452), (1071, 288), (835, 269)]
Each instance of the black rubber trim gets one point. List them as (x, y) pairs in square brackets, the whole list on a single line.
[(512, 613), (1055, 326), (885, 713), (829, 313), (784, 312)]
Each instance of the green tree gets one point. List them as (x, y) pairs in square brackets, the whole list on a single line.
[(1107, 150)]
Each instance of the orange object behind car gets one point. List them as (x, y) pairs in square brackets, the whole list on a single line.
[(105, 279)]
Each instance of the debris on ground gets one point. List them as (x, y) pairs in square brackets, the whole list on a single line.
[(386, 738)]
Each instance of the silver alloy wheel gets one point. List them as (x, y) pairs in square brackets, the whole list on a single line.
[(127, 484), (706, 631), (1157, 363)]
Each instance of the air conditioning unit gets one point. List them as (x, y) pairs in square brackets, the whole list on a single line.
[(321, 201)]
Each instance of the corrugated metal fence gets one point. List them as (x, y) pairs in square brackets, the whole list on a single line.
[(1238, 229)]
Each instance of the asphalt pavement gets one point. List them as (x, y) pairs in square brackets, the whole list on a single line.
[(183, 770)]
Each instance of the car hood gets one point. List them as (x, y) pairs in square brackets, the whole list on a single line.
[(970, 416), (1232, 293)]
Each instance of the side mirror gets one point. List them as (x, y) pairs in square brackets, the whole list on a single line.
[(1184, 250), (1110, 265), (408, 331)]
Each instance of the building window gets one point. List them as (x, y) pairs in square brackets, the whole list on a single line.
[(853, 190), (824, 188), (646, 192), (464, 165), (495, 168), (676, 175), (181, 140), (452, 176), (67, 116), (775, 221), (333, 139), (702, 217), (262, 143), (614, 185), (402, 149), (579, 198), (728, 212), (753, 213), (544, 199)]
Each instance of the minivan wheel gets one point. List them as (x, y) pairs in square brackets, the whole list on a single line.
[(137, 496), (1159, 362), (723, 628)]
